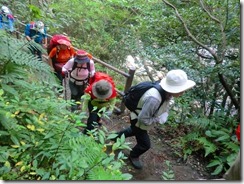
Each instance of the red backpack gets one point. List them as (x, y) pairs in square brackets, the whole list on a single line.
[(100, 75), (53, 42)]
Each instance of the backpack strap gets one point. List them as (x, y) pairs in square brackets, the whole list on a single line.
[(54, 58), (163, 97), (87, 67), (74, 66), (57, 51), (162, 93)]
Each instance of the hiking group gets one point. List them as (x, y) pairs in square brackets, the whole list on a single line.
[(152, 99), (148, 102)]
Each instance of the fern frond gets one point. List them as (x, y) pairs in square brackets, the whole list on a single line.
[(16, 51), (207, 145), (191, 136), (100, 173), (232, 146), (18, 63)]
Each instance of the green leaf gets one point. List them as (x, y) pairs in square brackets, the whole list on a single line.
[(223, 138), (50, 134), (214, 163), (126, 176), (101, 139), (10, 89), (35, 162), (218, 170), (112, 136), (208, 133)]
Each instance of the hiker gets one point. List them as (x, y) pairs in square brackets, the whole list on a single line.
[(59, 56), (150, 112), (81, 68), (6, 19), (37, 31), (100, 93)]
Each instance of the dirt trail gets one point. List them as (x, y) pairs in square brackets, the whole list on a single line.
[(154, 160)]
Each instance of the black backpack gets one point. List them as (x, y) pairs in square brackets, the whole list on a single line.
[(133, 95)]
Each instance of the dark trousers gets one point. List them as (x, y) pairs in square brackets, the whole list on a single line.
[(76, 92), (35, 52), (59, 76), (142, 139), (93, 119)]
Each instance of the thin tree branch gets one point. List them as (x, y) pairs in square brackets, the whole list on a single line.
[(222, 32), (190, 34), (211, 16)]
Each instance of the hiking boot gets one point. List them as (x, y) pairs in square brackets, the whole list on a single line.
[(135, 162)]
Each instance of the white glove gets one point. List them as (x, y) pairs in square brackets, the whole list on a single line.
[(163, 118), (108, 113)]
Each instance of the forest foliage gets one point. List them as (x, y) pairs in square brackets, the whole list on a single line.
[(202, 37)]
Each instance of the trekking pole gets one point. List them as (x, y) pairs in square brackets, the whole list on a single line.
[(65, 87)]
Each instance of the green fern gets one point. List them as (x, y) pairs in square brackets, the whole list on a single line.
[(17, 62), (212, 136), (207, 145)]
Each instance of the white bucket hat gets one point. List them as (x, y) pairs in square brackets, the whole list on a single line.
[(176, 81), (5, 9), (39, 25), (102, 89)]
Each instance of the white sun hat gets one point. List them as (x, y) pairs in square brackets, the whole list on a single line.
[(39, 25), (5, 9), (176, 81)]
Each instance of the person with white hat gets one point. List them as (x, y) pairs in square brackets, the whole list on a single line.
[(81, 68), (37, 31), (100, 94), (6, 19), (174, 84)]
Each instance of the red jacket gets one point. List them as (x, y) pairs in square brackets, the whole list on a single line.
[(238, 132)]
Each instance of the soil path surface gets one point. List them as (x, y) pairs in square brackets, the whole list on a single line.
[(162, 151)]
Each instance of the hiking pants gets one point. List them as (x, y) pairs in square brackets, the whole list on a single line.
[(142, 138), (93, 119), (76, 92), (59, 76), (35, 51)]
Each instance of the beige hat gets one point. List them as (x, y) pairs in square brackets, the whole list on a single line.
[(176, 81), (102, 89)]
